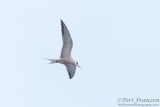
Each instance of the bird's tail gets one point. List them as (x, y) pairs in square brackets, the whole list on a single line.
[(52, 60)]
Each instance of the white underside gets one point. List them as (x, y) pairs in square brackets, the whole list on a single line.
[(66, 61)]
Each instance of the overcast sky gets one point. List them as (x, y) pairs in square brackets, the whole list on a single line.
[(116, 43)]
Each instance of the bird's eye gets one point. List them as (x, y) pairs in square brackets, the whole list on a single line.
[(77, 62)]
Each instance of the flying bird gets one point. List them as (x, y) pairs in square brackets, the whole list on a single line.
[(65, 57)]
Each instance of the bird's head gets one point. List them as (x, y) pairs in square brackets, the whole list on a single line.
[(77, 65)]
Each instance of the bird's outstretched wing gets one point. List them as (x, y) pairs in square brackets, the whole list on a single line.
[(71, 69), (67, 42)]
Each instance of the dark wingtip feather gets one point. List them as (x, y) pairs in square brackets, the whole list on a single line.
[(70, 77), (61, 21), (62, 27)]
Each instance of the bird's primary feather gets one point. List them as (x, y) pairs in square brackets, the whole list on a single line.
[(67, 42), (70, 69)]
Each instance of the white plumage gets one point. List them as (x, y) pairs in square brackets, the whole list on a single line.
[(65, 57)]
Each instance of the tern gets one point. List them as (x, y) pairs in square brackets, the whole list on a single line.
[(65, 57)]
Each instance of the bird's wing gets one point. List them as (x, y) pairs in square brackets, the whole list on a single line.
[(67, 42), (71, 69)]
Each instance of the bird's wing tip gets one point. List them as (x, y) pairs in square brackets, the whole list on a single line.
[(61, 20), (62, 27), (70, 76)]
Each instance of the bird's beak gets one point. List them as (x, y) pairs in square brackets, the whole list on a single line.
[(79, 66)]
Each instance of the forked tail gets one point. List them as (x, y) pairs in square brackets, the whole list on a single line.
[(52, 60)]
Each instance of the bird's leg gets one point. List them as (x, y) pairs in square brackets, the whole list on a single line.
[(57, 61)]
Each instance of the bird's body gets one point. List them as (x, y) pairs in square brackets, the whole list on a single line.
[(66, 61), (65, 57)]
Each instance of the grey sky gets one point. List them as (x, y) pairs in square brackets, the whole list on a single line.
[(116, 43)]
